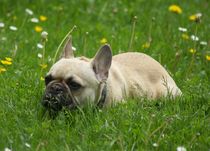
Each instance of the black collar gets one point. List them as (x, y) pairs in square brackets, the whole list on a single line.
[(103, 97)]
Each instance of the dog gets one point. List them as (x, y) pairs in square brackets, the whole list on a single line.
[(105, 79)]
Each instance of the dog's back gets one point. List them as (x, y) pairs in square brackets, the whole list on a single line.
[(142, 76)]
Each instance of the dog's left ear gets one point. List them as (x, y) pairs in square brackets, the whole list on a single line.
[(102, 62), (68, 52)]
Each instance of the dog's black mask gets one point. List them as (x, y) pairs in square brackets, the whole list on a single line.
[(57, 95)]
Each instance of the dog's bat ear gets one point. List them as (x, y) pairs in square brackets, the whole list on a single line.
[(68, 52), (102, 62)]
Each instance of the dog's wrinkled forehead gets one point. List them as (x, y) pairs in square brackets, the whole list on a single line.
[(65, 68)]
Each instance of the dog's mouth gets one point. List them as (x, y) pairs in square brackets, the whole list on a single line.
[(58, 96)]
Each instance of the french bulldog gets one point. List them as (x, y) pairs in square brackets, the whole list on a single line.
[(105, 79)]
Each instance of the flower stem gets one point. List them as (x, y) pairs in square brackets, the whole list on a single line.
[(84, 43), (193, 55), (132, 33), (56, 53)]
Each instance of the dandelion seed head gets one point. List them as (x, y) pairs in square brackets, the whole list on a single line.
[(199, 14), (44, 35), (195, 17)]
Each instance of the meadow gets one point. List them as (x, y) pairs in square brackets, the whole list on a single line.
[(175, 33)]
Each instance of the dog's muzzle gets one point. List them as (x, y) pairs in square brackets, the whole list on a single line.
[(57, 95)]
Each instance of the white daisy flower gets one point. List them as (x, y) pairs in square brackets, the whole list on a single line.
[(155, 145), (40, 46), (181, 148), (14, 28), (44, 34), (73, 48), (7, 149), (28, 11), (39, 55), (1, 25), (27, 145), (34, 20), (194, 38), (182, 29), (203, 43)]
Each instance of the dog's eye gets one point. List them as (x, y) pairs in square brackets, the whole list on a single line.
[(48, 79), (74, 86)]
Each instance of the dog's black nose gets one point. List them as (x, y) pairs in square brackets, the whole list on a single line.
[(56, 89)]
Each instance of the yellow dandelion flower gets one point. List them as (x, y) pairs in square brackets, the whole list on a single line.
[(208, 57), (192, 17), (195, 17), (146, 45), (2, 70), (175, 9), (191, 50), (38, 28), (8, 59), (43, 66), (185, 36), (42, 18), (103, 41), (5, 62), (41, 78)]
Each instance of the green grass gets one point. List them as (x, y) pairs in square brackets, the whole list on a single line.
[(139, 123)]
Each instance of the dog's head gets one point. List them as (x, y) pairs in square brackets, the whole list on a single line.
[(74, 81)]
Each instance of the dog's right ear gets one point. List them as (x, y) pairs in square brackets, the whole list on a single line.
[(102, 62), (68, 52)]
